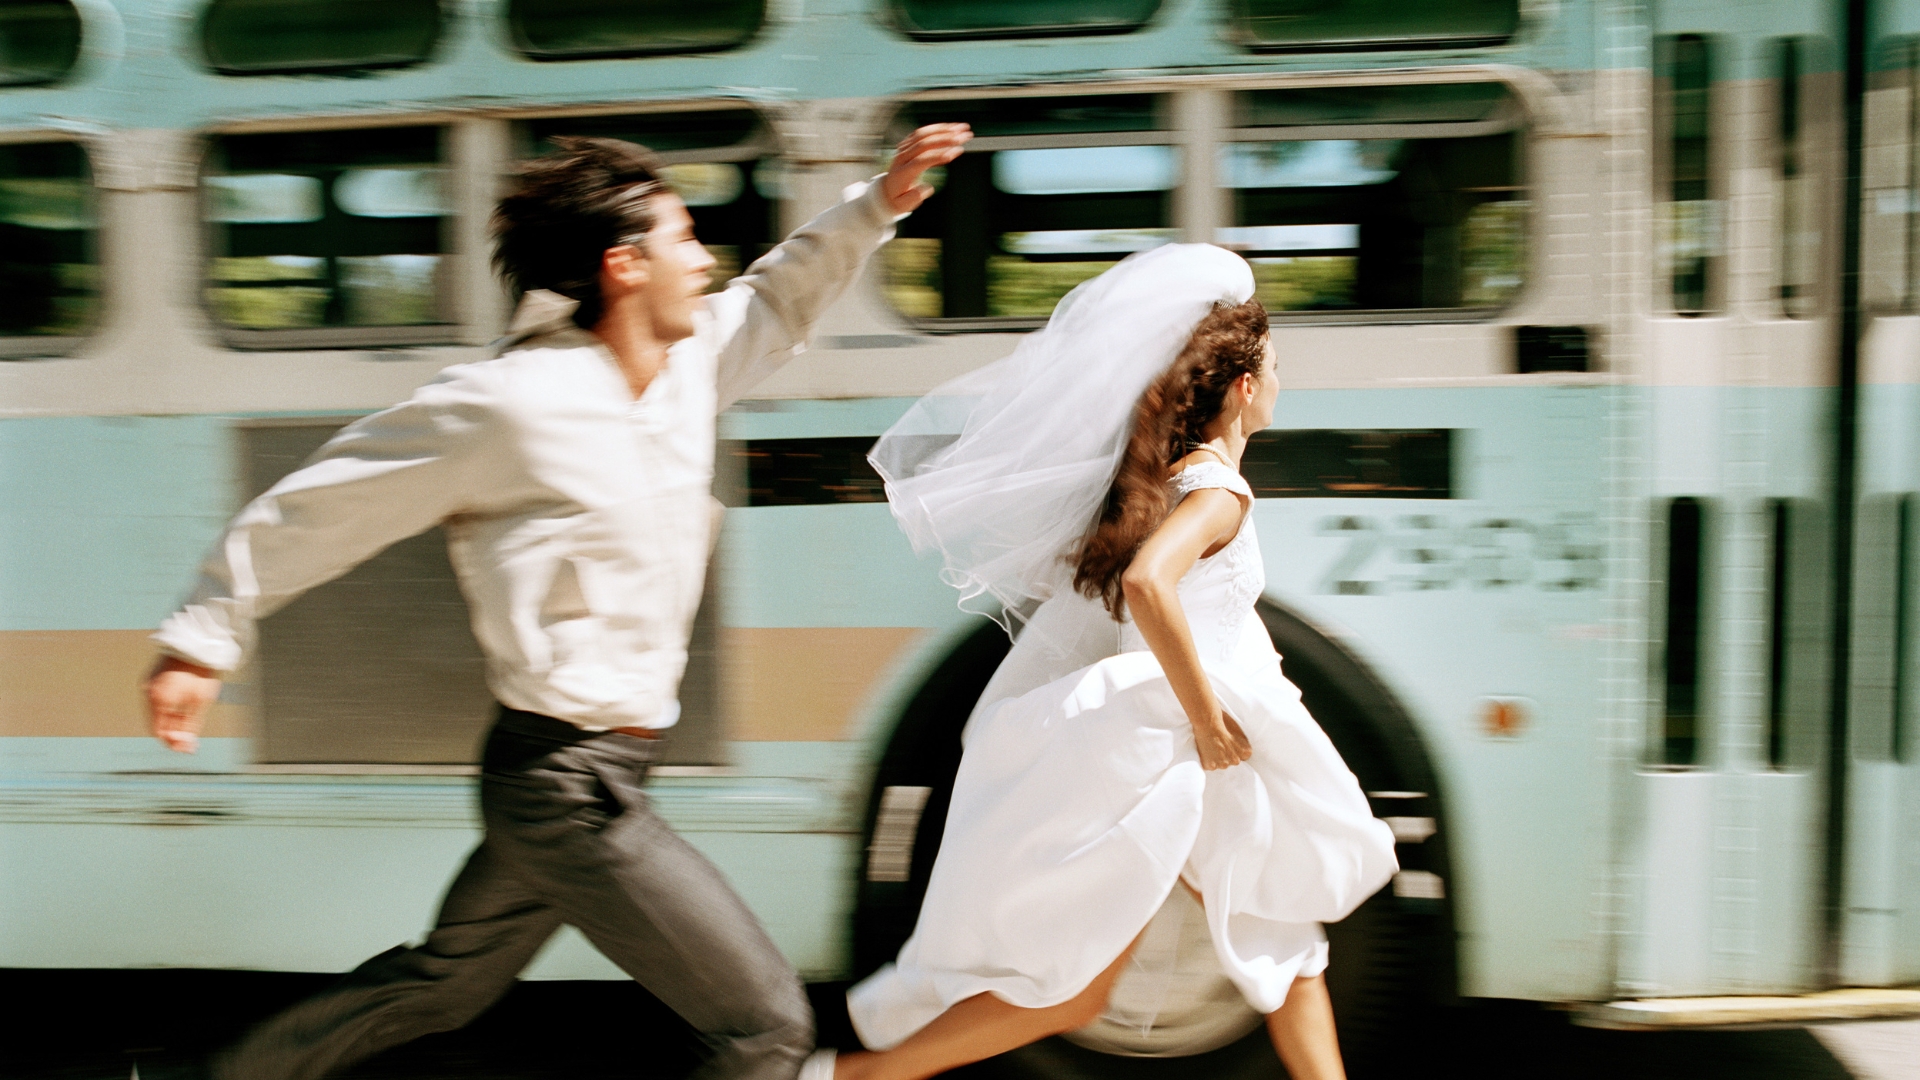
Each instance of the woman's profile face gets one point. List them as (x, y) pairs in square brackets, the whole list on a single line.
[(1266, 390)]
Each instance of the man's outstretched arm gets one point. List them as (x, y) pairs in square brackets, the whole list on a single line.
[(380, 480), (766, 313)]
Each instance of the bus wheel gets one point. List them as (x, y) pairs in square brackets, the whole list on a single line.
[(1392, 958)]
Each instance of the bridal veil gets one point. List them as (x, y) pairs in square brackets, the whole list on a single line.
[(1003, 470)]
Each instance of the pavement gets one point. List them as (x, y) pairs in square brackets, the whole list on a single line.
[(68, 1025)]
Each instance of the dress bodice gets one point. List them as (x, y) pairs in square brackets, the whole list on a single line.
[(1219, 593)]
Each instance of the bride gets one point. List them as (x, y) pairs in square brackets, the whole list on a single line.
[(1140, 736)]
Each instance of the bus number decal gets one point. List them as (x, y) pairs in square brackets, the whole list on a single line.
[(1427, 552)]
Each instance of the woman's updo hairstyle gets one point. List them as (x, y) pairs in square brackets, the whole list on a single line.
[(1167, 423)]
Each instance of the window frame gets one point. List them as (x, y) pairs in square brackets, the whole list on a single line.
[(78, 8), (1719, 55), (1517, 121), (46, 346), (1167, 135), (459, 312), (517, 44), (1235, 18), (1898, 75), (894, 14), (1533, 117), (203, 41)]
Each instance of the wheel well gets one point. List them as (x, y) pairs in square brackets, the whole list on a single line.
[(1377, 737)]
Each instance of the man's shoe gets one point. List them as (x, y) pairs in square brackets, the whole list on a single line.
[(819, 1066)]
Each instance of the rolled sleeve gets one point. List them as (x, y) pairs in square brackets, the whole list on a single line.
[(763, 317)]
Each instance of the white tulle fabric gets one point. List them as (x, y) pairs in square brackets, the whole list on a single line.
[(1080, 802), (1040, 433)]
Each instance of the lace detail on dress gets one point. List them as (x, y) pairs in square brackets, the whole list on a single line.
[(1223, 586), (1221, 589), (1208, 474)]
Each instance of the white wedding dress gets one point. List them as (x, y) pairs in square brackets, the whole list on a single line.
[(1080, 802)]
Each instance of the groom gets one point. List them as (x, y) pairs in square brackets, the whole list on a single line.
[(572, 474)]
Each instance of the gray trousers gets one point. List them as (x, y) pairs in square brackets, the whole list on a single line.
[(570, 838)]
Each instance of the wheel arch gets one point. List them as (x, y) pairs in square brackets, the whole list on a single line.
[(1367, 722)]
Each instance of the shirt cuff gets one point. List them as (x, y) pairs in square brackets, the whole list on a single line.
[(875, 194)]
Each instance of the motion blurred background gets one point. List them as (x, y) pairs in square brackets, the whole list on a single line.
[(1587, 512)]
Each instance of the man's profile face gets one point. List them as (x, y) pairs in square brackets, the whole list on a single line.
[(681, 268)]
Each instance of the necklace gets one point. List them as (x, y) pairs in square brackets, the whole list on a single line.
[(1215, 453)]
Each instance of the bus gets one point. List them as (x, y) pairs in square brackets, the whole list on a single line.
[(1588, 508)]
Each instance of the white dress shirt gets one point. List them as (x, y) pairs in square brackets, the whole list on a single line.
[(578, 519)]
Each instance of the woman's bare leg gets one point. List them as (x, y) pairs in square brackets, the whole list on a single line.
[(1303, 1033), (977, 1029)]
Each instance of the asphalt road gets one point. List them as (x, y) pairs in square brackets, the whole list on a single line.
[(68, 1025)]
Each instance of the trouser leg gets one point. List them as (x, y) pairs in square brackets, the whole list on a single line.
[(656, 907), (490, 926)]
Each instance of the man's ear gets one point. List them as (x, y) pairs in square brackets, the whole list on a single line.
[(625, 268)]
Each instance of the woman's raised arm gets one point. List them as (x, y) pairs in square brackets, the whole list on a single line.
[(1203, 523)]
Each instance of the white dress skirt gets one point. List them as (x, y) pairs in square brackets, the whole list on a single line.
[(1080, 803)]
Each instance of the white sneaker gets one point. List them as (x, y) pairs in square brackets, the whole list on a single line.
[(818, 1066)]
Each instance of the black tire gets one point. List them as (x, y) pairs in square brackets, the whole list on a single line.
[(1393, 957)]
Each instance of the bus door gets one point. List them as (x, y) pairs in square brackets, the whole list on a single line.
[(1879, 787), (1728, 808)]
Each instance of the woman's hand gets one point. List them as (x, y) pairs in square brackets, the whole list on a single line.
[(1221, 743)]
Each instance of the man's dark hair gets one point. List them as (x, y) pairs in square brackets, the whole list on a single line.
[(568, 208)]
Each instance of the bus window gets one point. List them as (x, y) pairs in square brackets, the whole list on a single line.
[(586, 29), (1779, 628), (39, 41), (1890, 182), (720, 162), (1378, 198), (261, 37), (1051, 192), (1288, 25), (1688, 210), (1681, 653), (1881, 664), (934, 19), (47, 268), (328, 230), (1797, 269)]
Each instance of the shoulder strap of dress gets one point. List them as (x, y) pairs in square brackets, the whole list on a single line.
[(1210, 474)]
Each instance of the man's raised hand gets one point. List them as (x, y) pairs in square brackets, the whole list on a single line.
[(935, 144), (178, 696)]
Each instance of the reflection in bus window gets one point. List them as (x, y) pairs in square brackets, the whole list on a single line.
[(583, 29), (720, 162), (257, 37), (1797, 269), (325, 229), (1689, 214), (1019, 18), (1350, 24), (1890, 179), (1779, 626), (1430, 218), (1026, 215), (1684, 633), (39, 41), (47, 269)]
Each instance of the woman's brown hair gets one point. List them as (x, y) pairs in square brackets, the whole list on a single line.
[(1167, 423)]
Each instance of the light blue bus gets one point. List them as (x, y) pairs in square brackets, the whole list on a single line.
[(1587, 509)]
